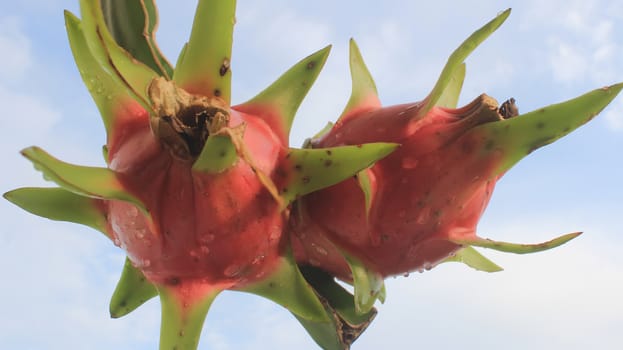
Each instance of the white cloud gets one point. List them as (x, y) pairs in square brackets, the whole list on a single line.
[(15, 47), (581, 40), (287, 35), (614, 115)]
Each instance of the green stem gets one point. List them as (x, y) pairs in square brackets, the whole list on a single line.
[(183, 316)]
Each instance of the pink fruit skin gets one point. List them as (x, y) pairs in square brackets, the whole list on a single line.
[(215, 229), (434, 187)]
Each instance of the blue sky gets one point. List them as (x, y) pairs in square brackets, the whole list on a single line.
[(57, 278)]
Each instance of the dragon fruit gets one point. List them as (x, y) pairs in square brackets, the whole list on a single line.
[(420, 206), (196, 191)]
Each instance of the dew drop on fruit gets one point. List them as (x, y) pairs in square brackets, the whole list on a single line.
[(193, 254), (206, 238), (204, 249), (140, 233), (409, 162), (274, 234), (258, 259), (320, 250), (423, 216), (232, 270)]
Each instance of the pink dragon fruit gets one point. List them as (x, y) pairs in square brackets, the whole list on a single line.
[(197, 192), (420, 206)]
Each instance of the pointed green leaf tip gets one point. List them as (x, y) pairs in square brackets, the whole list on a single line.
[(287, 287), (472, 258), (60, 205), (514, 247), (205, 67), (364, 95), (82, 180), (218, 154), (308, 170), (278, 103), (519, 136), (132, 291), (456, 59), (133, 24)]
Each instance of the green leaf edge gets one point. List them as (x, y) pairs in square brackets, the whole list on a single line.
[(312, 169), (456, 59), (87, 181), (516, 247), (132, 291), (472, 258), (284, 96), (133, 25)]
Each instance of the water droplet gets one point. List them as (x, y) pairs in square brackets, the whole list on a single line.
[(140, 233), (413, 251), (206, 238), (132, 211), (275, 234), (193, 254), (320, 250), (406, 274), (475, 178), (116, 241), (428, 266), (424, 216), (145, 263), (204, 249), (232, 270), (409, 162), (258, 259)]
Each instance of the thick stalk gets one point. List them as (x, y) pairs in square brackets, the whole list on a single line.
[(184, 308)]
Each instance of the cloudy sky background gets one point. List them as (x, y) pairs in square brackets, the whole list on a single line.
[(57, 277)]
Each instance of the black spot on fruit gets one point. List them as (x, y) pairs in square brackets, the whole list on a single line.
[(173, 281)]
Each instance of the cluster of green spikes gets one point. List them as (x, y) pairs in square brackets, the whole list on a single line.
[(114, 46)]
